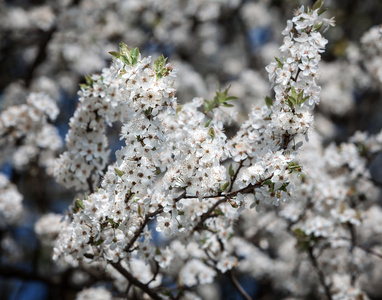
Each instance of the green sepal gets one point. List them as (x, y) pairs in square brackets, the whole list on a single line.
[(208, 123), (211, 132), (279, 62), (157, 171), (148, 112), (267, 182), (119, 172), (284, 186), (99, 242)]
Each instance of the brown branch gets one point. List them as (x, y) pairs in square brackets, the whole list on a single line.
[(370, 251), (134, 281), (206, 215), (352, 246), (321, 275), (142, 227), (235, 175), (236, 283)]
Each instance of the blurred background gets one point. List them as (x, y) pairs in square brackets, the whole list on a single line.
[(49, 46)]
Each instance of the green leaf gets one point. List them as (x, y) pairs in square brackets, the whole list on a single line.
[(124, 49), (268, 101), (268, 182), (219, 99), (115, 54), (321, 11), (159, 66), (304, 99), (231, 172), (89, 80), (279, 62), (211, 132), (318, 4), (119, 172), (148, 111), (209, 105), (208, 123), (294, 167), (125, 59), (79, 204), (291, 102), (299, 97), (231, 98), (139, 211), (166, 293), (178, 109), (227, 105), (225, 186), (134, 54), (99, 242), (294, 93), (299, 232), (157, 171), (218, 212), (318, 26), (292, 99), (284, 186)]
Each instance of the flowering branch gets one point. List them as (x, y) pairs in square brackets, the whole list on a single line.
[(171, 167)]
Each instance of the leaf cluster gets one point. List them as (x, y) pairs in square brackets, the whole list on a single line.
[(221, 98), (296, 99), (161, 70), (129, 57)]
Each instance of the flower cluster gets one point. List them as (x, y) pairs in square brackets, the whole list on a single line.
[(326, 227), (10, 202), (126, 92), (27, 136), (372, 47)]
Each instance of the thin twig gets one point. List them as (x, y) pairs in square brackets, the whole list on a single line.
[(320, 274), (236, 283), (135, 281)]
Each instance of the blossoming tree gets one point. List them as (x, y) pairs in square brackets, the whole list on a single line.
[(185, 204)]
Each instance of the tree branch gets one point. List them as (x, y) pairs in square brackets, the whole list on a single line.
[(134, 281), (238, 286), (320, 274)]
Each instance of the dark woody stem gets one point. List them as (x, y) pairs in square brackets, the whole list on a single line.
[(320, 274)]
